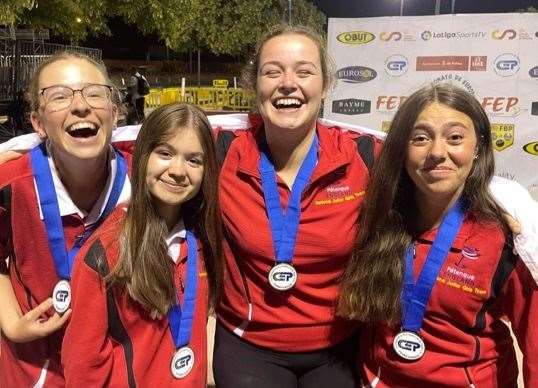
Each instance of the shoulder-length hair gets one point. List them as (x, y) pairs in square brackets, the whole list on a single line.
[(144, 267), (372, 282)]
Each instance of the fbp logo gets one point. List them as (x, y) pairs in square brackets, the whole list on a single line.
[(356, 74), (355, 37), (396, 65), (502, 136), (394, 35), (505, 34), (531, 148), (506, 65)]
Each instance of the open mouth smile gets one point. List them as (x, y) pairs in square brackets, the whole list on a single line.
[(84, 129)]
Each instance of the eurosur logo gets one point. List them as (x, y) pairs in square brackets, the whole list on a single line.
[(355, 37)]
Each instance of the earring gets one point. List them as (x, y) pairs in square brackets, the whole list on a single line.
[(475, 157)]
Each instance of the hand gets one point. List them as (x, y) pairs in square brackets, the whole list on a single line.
[(33, 325), (513, 224)]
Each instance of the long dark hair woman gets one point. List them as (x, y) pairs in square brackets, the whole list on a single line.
[(433, 270)]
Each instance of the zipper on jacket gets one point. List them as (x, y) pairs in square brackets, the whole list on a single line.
[(469, 378)]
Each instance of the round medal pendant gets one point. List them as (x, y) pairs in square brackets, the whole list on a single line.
[(182, 362), (282, 277), (61, 296), (409, 346)]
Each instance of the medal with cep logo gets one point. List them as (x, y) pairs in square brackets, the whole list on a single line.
[(48, 200), (181, 317), (415, 296), (284, 223)]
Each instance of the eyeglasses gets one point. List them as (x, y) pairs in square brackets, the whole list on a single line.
[(59, 97)]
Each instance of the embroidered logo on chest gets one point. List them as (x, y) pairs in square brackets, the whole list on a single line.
[(460, 276), (338, 194)]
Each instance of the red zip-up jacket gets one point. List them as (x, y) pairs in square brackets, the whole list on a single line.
[(111, 340), (303, 318), (467, 342)]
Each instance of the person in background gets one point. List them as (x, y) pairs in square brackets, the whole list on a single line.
[(142, 279), (137, 90), (51, 200), (433, 270)]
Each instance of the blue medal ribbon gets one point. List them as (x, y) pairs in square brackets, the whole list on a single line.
[(284, 223), (180, 318), (415, 296), (63, 259)]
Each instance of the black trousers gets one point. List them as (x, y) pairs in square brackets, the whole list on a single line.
[(238, 364), (139, 106)]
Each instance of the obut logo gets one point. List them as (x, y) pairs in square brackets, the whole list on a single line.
[(356, 74), (506, 65), (355, 37), (396, 65), (531, 148)]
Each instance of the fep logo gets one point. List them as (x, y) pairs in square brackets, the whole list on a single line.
[(501, 106), (396, 65), (394, 35), (504, 34), (355, 37), (356, 74), (506, 65), (502, 136), (534, 72), (389, 103), (531, 148), (351, 106)]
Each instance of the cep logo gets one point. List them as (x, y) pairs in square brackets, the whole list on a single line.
[(61, 295), (355, 37), (282, 276), (534, 72), (396, 65), (531, 148), (506, 65), (505, 34), (386, 36), (183, 362), (356, 74), (408, 345)]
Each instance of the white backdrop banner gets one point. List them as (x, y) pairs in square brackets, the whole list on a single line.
[(381, 61)]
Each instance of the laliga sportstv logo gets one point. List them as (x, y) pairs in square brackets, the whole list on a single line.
[(394, 35), (427, 35), (506, 65), (505, 34), (531, 148), (355, 37), (396, 65), (356, 74)]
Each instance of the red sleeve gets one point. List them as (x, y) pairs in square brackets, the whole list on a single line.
[(87, 353), (5, 237), (522, 310)]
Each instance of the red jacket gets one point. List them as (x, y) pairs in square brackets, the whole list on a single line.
[(111, 340), (467, 344), (303, 318), (33, 276)]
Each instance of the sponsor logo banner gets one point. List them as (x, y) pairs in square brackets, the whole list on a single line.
[(351, 106), (443, 62), (355, 37), (396, 36), (531, 148), (429, 35), (534, 108), (478, 63), (504, 34), (389, 104), (502, 136), (506, 65), (502, 106), (356, 74), (534, 72), (396, 65)]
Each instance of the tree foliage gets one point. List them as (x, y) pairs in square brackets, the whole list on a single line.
[(221, 26)]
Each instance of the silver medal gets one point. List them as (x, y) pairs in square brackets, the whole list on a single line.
[(182, 362), (282, 277), (61, 296), (408, 345)]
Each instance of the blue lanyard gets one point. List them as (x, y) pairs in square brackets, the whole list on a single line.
[(415, 296), (63, 259), (284, 224), (180, 318)]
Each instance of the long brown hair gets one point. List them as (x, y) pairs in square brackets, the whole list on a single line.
[(144, 267), (372, 282)]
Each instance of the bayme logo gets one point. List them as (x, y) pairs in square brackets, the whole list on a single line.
[(355, 37), (351, 106), (502, 136), (356, 74), (531, 148)]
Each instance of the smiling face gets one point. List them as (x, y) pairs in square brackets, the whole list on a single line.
[(78, 132), (175, 172), (290, 83), (442, 147)]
